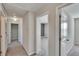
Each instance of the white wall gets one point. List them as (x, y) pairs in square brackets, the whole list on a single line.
[(20, 36), (31, 33), (51, 11), (41, 42), (70, 33), (25, 32), (28, 28), (76, 24), (66, 46)]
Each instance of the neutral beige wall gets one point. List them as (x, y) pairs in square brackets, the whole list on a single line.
[(51, 9), (25, 32), (3, 39), (28, 30)]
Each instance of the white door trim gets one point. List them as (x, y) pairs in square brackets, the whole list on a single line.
[(20, 36)]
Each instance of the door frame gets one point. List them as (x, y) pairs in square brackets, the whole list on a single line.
[(20, 30), (58, 28), (10, 31)]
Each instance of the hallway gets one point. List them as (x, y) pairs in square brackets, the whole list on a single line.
[(15, 49)]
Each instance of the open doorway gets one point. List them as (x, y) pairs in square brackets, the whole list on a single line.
[(14, 32), (42, 35), (68, 30)]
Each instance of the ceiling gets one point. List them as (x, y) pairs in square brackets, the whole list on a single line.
[(1, 10), (19, 9), (73, 10)]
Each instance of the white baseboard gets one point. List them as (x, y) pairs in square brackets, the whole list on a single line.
[(25, 49), (29, 53)]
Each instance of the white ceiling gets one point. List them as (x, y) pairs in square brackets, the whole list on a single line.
[(73, 10), (19, 9), (0, 10)]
